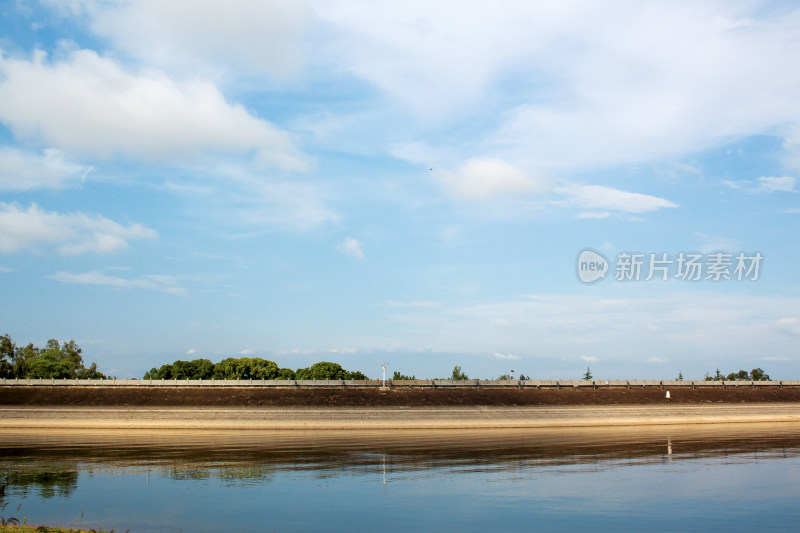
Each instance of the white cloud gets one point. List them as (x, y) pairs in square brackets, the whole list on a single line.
[(100, 110), (575, 84), (790, 325), (589, 358), (6, 270), (167, 284), (735, 184), (594, 214), (191, 351), (488, 177), (656, 360), (21, 170), (257, 37), (772, 184), (508, 356), (71, 234), (613, 325), (601, 197), (246, 352), (712, 243), (351, 247), (248, 202), (426, 304)]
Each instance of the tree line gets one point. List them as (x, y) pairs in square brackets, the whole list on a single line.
[(248, 368), (55, 360), (756, 374)]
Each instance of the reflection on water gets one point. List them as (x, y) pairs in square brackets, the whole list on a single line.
[(574, 479)]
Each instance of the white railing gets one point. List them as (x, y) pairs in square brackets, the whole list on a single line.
[(374, 383)]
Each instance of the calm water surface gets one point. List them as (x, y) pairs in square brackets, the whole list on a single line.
[(701, 478)]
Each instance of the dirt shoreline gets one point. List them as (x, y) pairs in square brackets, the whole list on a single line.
[(305, 418), (247, 408)]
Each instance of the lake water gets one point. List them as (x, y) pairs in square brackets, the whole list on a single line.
[(718, 477)]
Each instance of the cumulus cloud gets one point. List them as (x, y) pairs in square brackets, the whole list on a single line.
[(351, 247), (481, 178), (71, 233), (101, 110), (506, 356), (601, 197), (162, 283), (257, 37), (190, 351), (21, 170), (772, 184)]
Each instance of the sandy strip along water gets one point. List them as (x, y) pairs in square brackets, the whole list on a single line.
[(295, 418)]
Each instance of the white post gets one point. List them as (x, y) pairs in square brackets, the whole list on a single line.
[(383, 364)]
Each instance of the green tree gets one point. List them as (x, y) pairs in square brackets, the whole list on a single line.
[(397, 376), (323, 370), (7, 352), (49, 365), (458, 375), (680, 375), (285, 373), (505, 377), (587, 376), (758, 374)]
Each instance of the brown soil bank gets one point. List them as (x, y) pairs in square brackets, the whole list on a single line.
[(265, 397)]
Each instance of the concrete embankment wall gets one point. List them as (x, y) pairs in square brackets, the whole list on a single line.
[(428, 383)]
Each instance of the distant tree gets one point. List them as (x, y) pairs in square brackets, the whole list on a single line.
[(587, 376), (458, 375), (327, 370), (245, 368), (717, 375), (505, 377), (22, 359), (523, 376), (54, 361), (680, 375), (758, 374), (285, 373), (397, 376), (7, 352), (49, 365)]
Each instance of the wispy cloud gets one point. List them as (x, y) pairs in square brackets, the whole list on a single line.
[(480, 179), (167, 284), (351, 247), (507, 356), (589, 358), (71, 234), (425, 304), (255, 37), (601, 197), (781, 184), (21, 170)]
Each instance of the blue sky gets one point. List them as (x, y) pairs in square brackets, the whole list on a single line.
[(413, 182)]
